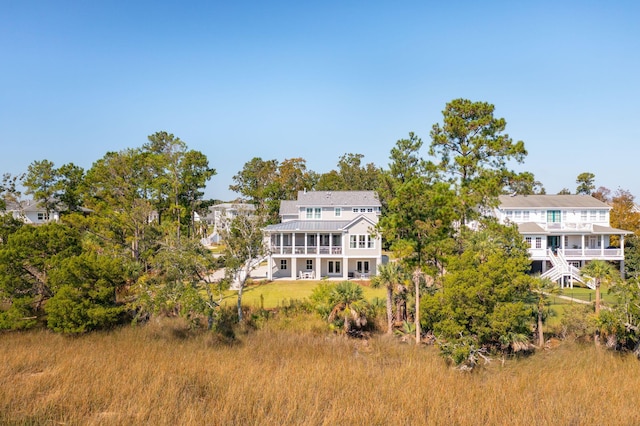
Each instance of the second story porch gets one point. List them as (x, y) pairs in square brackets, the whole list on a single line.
[(306, 243)]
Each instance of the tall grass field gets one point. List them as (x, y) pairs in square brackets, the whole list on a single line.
[(162, 374)]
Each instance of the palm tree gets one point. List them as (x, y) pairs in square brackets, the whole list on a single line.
[(601, 272), (541, 288), (348, 302), (389, 275)]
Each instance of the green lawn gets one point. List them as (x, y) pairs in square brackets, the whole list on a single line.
[(273, 294)]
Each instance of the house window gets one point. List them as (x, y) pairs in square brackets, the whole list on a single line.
[(525, 215), (309, 264), (361, 241), (324, 240), (363, 210), (334, 267), (317, 213), (592, 214), (517, 215), (283, 264), (566, 241), (528, 241), (583, 215), (538, 242), (336, 240), (553, 216), (370, 210), (309, 213), (509, 214), (371, 242), (602, 216), (43, 217), (338, 211), (362, 266), (355, 210)]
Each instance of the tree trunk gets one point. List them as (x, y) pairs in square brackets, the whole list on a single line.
[(389, 310), (416, 280), (241, 285), (540, 330)]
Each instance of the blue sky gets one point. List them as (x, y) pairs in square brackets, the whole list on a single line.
[(316, 80)]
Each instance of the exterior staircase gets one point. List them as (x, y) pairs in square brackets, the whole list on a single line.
[(561, 270)]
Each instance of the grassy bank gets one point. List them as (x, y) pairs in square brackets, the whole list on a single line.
[(160, 374), (269, 295)]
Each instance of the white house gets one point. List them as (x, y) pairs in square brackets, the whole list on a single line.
[(563, 232), (32, 212), (220, 216), (326, 234)]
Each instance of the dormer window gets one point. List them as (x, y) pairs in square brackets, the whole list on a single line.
[(338, 211)]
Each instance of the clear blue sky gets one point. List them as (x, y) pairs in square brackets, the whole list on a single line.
[(283, 79)]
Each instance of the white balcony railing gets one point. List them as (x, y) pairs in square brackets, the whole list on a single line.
[(275, 249)]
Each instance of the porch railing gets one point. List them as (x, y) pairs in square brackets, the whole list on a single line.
[(306, 250)]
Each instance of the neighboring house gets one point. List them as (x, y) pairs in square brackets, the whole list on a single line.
[(220, 216), (563, 232), (32, 212), (326, 234)]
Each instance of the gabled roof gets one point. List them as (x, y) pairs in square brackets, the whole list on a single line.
[(288, 207), (550, 201), (359, 219), (338, 198), (530, 228)]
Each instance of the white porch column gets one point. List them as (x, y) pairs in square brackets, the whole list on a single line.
[(318, 268), (582, 244), (345, 261), (270, 268), (294, 268), (602, 245)]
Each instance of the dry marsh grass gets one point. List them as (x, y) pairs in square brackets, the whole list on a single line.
[(161, 374)]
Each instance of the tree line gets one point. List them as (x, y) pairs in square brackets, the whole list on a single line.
[(127, 245)]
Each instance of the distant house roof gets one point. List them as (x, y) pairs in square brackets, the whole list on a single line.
[(551, 201), (226, 206), (337, 198), (25, 206)]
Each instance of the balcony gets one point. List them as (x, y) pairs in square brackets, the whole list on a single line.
[(302, 250), (608, 253)]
